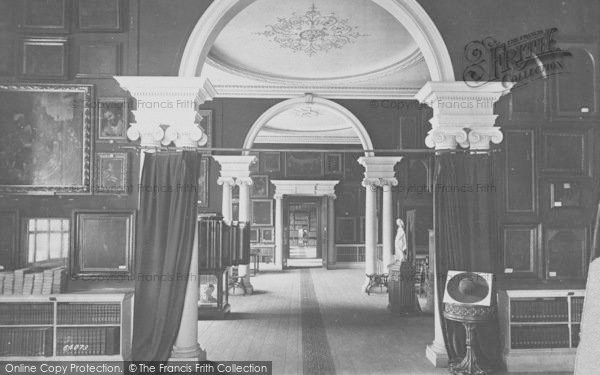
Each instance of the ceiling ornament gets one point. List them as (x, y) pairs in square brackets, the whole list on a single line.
[(312, 32), (307, 109)]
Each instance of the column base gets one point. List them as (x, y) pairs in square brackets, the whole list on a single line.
[(191, 353), (437, 355)]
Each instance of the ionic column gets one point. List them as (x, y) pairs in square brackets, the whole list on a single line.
[(463, 114), (279, 230), (172, 102), (186, 347), (387, 222), (370, 227), (226, 204), (379, 171), (244, 216)]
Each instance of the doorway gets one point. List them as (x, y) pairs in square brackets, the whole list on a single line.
[(304, 231)]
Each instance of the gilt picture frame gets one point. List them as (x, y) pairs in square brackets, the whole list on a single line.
[(47, 142), (113, 119), (111, 173), (102, 243)]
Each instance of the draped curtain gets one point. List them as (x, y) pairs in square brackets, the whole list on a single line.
[(465, 229), (165, 235)]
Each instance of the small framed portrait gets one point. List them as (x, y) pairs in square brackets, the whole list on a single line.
[(112, 119), (254, 234), (235, 210), (266, 235), (208, 297), (99, 15), (262, 212), (103, 243), (259, 187), (44, 58), (45, 15), (565, 194), (271, 162), (333, 164), (203, 183), (111, 173)]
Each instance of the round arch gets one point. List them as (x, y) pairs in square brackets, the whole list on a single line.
[(408, 12), (289, 104)]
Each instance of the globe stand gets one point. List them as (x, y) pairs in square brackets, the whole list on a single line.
[(470, 316)]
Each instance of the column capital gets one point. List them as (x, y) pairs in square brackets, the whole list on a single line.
[(235, 166), (459, 107), (379, 168), (244, 181), (170, 102), (226, 181)]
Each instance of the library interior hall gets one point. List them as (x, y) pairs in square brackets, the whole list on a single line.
[(301, 187)]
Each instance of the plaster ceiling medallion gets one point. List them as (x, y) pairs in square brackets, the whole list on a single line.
[(312, 32)]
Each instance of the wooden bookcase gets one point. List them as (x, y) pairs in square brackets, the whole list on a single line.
[(66, 327), (540, 329)]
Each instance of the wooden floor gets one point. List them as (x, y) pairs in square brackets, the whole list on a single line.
[(312, 321)]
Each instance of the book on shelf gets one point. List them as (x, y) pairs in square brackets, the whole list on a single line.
[(76, 341), (26, 341)]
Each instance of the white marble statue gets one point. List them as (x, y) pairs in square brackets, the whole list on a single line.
[(400, 245)]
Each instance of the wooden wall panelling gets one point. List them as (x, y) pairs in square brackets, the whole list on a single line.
[(566, 251), (519, 172), (520, 250), (565, 151)]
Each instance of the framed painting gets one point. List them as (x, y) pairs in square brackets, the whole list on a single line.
[(102, 243), (203, 183), (271, 162), (46, 143), (235, 210), (333, 164), (266, 235), (206, 123), (254, 167), (44, 58), (259, 187), (565, 194), (112, 119), (111, 173), (262, 212), (254, 234), (99, 15), (45, 15), (303, 164)]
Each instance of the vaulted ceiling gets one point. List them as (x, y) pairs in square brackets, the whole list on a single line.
[(329, 48)]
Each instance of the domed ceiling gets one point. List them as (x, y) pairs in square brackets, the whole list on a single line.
[(333, 48)]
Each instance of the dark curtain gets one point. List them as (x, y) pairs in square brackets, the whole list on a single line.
[(465, 228), (165, 235)]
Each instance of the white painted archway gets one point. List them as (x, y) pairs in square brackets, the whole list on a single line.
[(289, 104), (408, 12)]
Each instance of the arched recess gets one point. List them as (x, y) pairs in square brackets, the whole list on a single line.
[(290, 104), (408, 12)]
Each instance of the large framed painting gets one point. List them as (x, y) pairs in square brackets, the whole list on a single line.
[(303, 164), (112, 119), (99, 15), (44, 58), (46, 142), (102, 243), (45, 15), (111, 173), (262, 212)]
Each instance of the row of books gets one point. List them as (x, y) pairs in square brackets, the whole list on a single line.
[(33, 280), (540, 310), (76, 341), (25, 341), (538, 337), (26, 313), (88, 313), (576, 308)]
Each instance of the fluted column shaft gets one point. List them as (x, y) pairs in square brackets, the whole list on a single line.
[(279, 230), (387, 227)]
